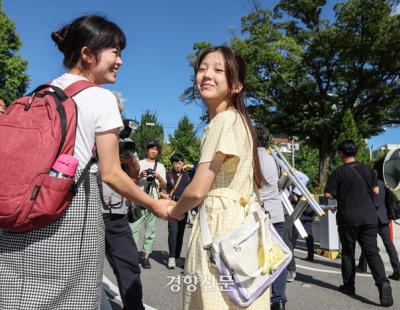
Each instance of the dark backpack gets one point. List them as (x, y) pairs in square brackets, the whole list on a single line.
[(34, 130), (392, 205)]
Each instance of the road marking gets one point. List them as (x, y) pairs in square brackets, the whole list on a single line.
[(329, 271), (325, 270), (115, 292)]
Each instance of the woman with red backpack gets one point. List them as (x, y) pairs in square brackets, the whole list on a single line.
[(60, 266)]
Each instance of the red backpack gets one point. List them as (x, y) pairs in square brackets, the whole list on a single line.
[(34, 130)]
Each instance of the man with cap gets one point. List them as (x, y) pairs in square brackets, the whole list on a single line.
[(152, 180)]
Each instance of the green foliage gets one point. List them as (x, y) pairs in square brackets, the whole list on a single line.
[(148, 130), (307, 161), (13, 77), (165, 156), (185, 142), (304, 72), (381, 154), (350, 131)]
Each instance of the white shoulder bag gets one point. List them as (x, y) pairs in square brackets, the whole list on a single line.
[(251, 255)]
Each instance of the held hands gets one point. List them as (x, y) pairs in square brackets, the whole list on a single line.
[(160, 208), (166, 210), (171, 212)]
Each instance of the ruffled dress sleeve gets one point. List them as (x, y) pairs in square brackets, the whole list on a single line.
[(220, 136)]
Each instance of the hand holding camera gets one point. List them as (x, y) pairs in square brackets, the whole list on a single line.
[(150, 175)]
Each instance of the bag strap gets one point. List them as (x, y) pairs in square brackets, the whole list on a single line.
[(204, 229), (75, 187), (106, 205), (176, 184), (361, 177), (78, 86)]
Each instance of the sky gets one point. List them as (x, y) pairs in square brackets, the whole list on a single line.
[(160, 35)]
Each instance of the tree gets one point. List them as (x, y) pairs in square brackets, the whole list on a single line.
[(350, 131), (165, 157), (307, 162), (185, 142), (148, 130), (13, 77), (190, 95), (304, 72)]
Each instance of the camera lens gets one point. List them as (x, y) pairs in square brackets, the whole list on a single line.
[(150, 175)]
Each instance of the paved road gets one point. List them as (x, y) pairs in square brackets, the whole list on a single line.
[(315, 286)]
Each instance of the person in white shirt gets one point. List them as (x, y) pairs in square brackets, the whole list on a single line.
[(152, 180), (60, 266)]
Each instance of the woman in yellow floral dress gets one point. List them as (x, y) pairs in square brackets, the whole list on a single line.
[(224, 179)]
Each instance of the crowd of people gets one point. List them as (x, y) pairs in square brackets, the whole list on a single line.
[(63, 262)]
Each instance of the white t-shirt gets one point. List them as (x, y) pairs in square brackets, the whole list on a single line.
[(97, 112), (160, 169)]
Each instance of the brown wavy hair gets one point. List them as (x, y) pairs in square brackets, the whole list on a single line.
[(235, 72)]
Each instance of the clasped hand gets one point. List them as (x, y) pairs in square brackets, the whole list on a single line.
[(164, 209)]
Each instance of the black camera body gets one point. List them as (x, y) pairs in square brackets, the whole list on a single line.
[(150, 175), (126, 145)]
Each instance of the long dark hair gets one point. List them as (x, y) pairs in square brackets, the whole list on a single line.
[(235, 71), (93, 31)]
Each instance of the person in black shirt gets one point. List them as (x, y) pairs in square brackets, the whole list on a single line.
[(177, 180), (353, 185)]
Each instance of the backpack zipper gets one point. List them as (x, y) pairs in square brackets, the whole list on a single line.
[(28, 105)]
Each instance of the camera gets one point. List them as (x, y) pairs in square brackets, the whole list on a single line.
[(150, 175), (126, 145)]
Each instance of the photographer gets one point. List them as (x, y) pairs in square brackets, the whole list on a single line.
[(177, 180), (152, 181), (121, 251)]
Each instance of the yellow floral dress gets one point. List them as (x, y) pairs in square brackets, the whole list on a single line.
[(228, 134)]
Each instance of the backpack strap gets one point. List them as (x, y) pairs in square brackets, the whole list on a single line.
[(85, 172), (78, 86), (58, 91)]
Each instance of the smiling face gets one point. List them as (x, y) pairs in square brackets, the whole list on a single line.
[(103, 68), (211, 81)]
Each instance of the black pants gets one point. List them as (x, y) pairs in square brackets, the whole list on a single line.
[(123, 256), (383, 231), (307, 224), (176, 231), (366, 236)]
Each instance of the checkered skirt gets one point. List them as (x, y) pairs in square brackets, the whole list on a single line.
[(59, 266)]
